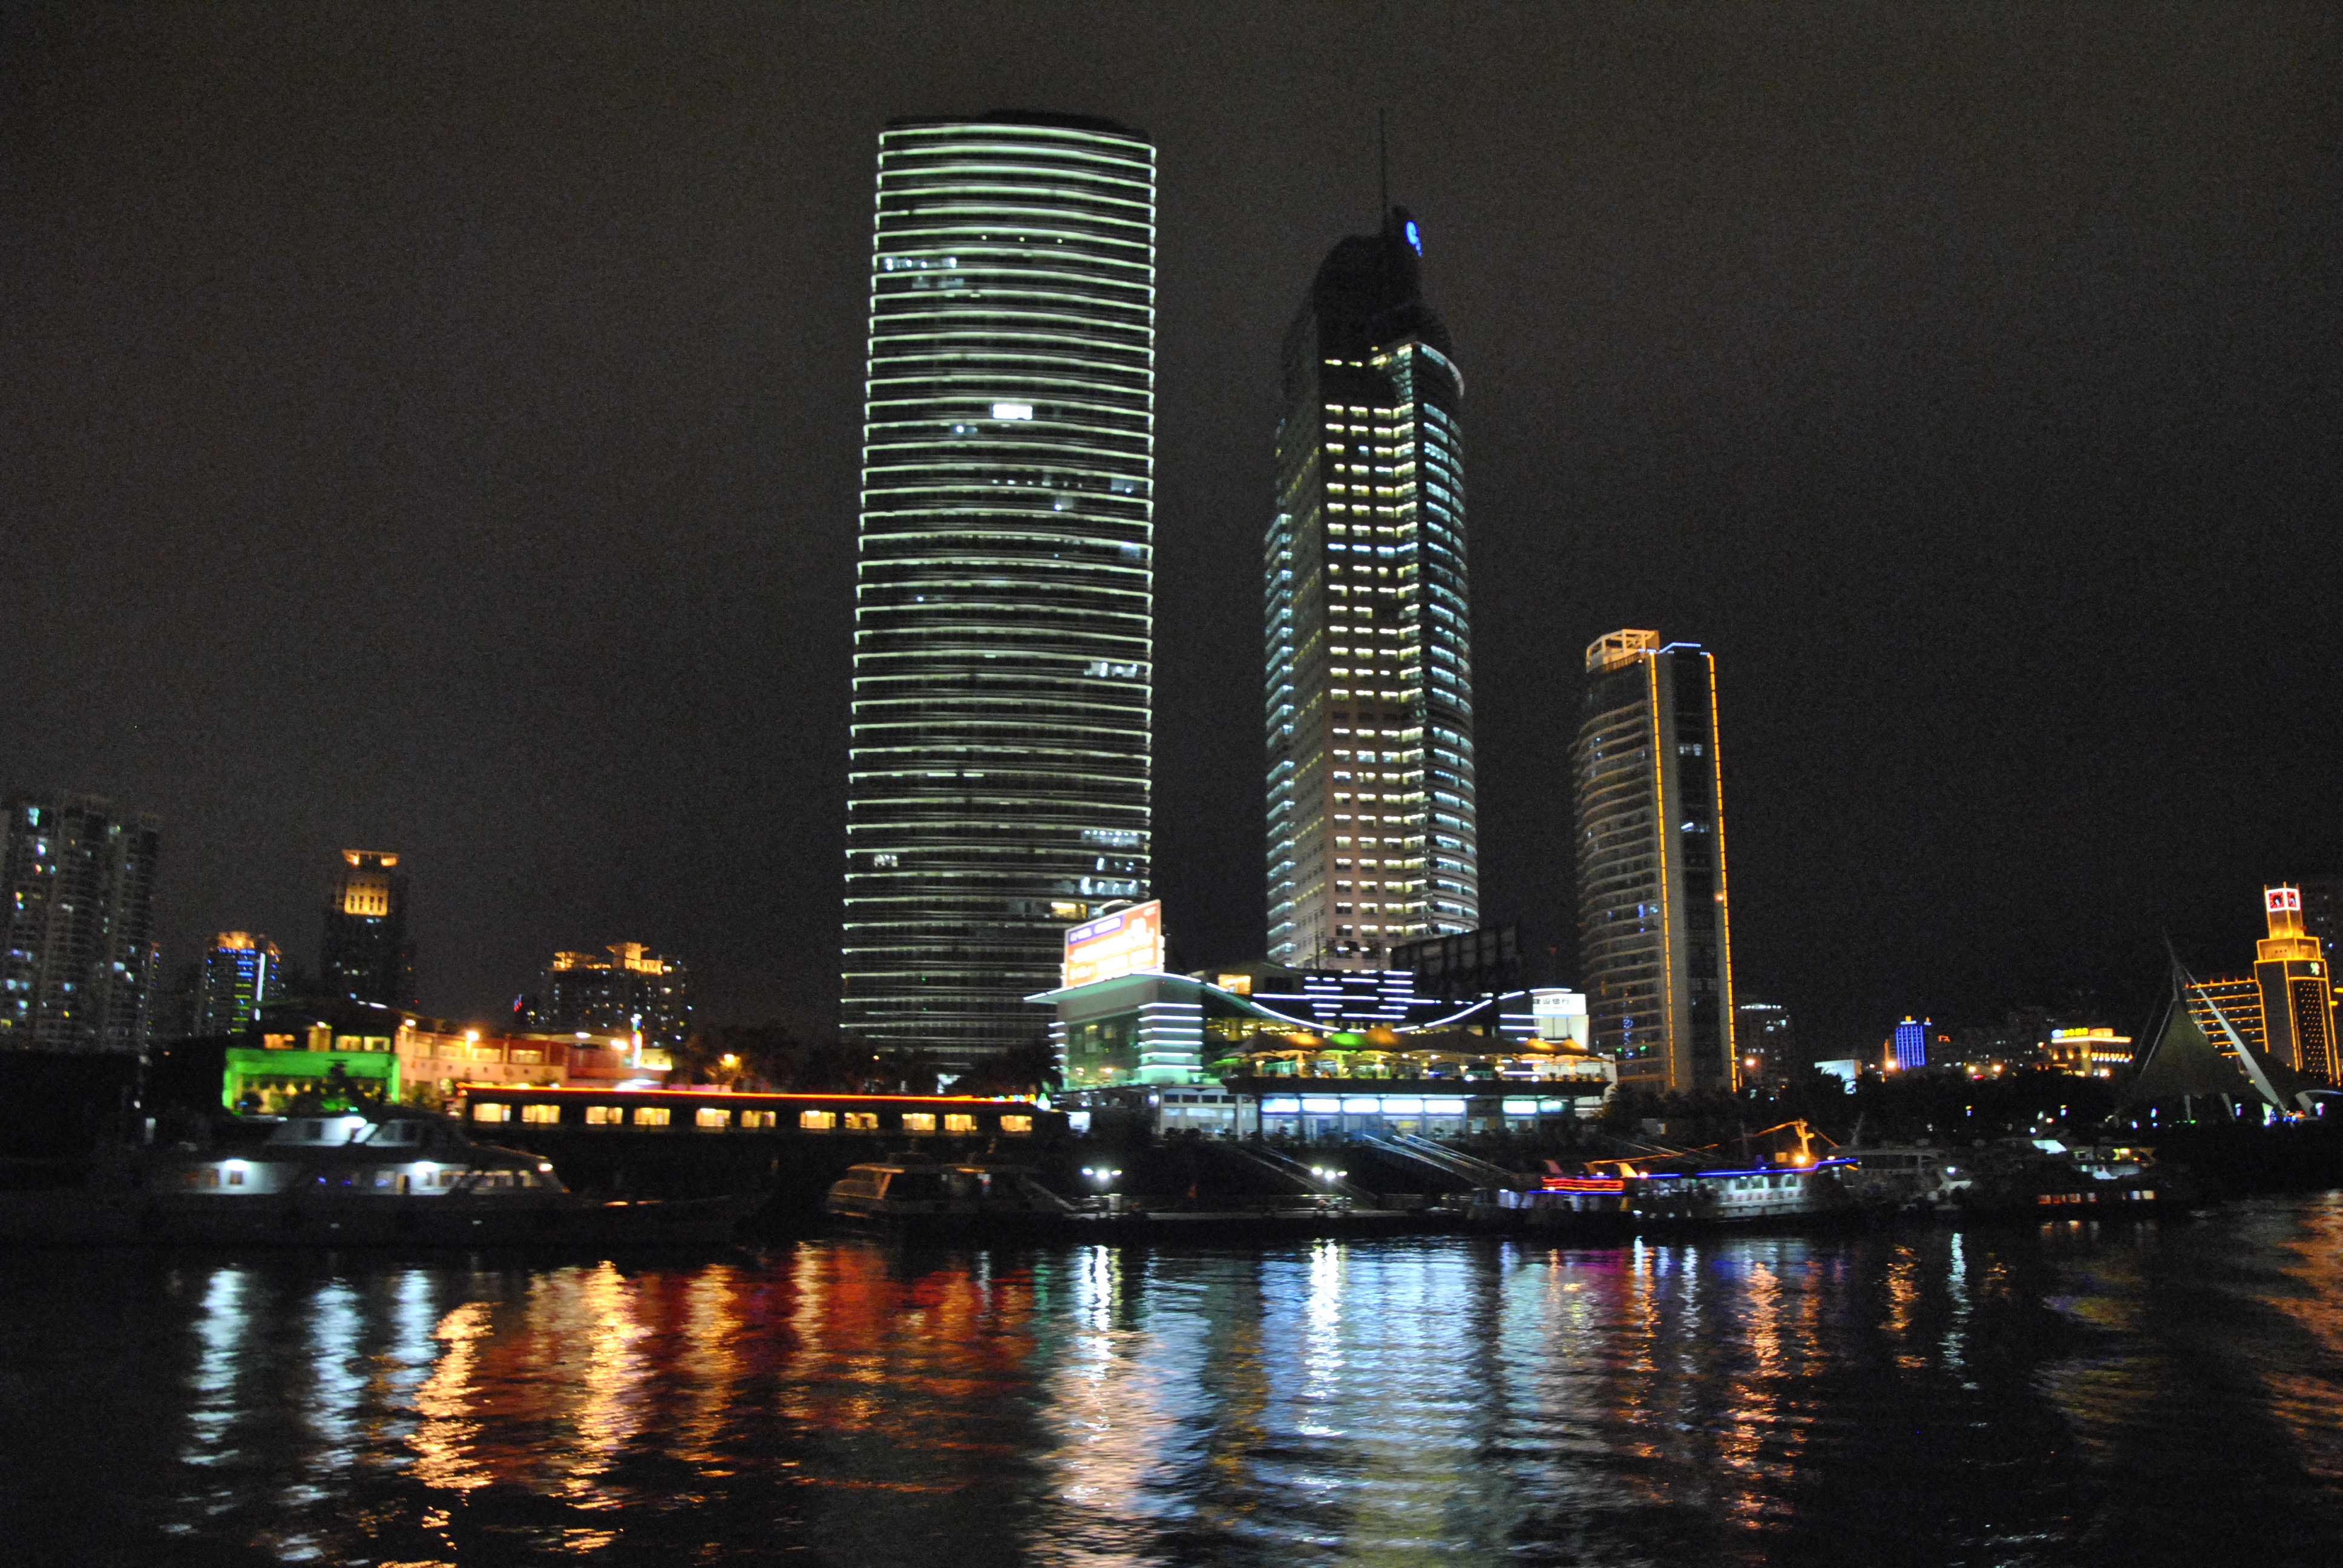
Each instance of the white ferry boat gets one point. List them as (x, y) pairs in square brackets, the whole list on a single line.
[(398, 1177)]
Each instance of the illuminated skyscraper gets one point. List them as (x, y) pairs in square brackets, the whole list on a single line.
[(78, 959), (2297, 996), (632, 989), (1653, 949), (365, 955), (1003, 643), (1373, 839), (1907, 1047), (241, 974)]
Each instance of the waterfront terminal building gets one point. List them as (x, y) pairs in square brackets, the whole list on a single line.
[(1322, 1053)]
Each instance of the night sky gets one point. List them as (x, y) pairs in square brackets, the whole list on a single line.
[(435, 428)]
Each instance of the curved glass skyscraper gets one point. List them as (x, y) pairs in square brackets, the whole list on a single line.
[(1374, 838), (999, 786)]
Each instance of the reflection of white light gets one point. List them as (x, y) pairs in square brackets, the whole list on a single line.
[(1013, 411)]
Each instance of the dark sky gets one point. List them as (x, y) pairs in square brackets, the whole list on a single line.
[(435, 428)]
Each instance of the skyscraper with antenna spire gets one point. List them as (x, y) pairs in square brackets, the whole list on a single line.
[(1373, 837)]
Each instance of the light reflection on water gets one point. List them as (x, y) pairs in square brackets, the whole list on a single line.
[(2072, 1394)]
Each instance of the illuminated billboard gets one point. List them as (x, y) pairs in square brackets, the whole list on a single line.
[(1116, 944)]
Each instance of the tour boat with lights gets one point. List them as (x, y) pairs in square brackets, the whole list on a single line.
[(1628, 1200), (392, 1176)]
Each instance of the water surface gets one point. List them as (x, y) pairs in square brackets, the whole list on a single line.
[(2079, 1393)]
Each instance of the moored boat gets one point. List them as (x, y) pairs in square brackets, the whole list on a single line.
[(924, 1196), (392, 1176), (1635, 1200)]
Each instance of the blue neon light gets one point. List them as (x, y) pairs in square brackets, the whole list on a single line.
[(1414, 238)]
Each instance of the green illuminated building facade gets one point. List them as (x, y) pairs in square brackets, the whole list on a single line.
[(1003, 645), (1373, 834)]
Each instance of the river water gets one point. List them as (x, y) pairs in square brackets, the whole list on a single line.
[(2074, 1393)]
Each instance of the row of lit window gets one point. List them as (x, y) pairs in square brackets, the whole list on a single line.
[(718, 1119)]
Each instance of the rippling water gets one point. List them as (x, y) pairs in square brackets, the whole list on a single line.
[(2077, 1393)]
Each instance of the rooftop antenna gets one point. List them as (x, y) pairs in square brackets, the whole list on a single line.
[(1383, 168)]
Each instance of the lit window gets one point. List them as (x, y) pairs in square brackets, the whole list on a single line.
[(959, 1122), (541, 1113), (651, 1116), (603, 1116), (759, 1118), (919, 1121), (711, 1119), (1017, 1126), (862, 1121), (816, 1120), (488, 1112), (1013, 411)]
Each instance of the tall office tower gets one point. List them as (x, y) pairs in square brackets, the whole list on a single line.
[(2297, 995), (1373, 839), (1907, 1047), (633, 988), (1654, 950), (1003, 639), (78, 967), (241, 974), (366, 955)]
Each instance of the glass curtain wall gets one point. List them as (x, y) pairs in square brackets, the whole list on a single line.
[(1372, 833), (1003, 653)]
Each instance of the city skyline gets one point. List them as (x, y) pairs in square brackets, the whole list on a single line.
[(507, 432)]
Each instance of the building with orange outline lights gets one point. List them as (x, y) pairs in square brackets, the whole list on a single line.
[(1655, 949), (2298, 994)]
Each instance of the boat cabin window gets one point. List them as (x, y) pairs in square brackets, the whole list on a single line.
[(651, 1116), (541, 1114), (396, 1133), (1017, 1126), (813, 1120), (604, 1116), (492, 1111), (711, 1120), (761, 1118), (918, 1186), (862, 1121), (957, 1121), (919, 1121)]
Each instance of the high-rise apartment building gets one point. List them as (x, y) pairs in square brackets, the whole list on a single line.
[(77, 957), (1654, 951), (1004, 646), (367, 954), (1767, 1040), (1373, 837), (630, 988), (241, 974)]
